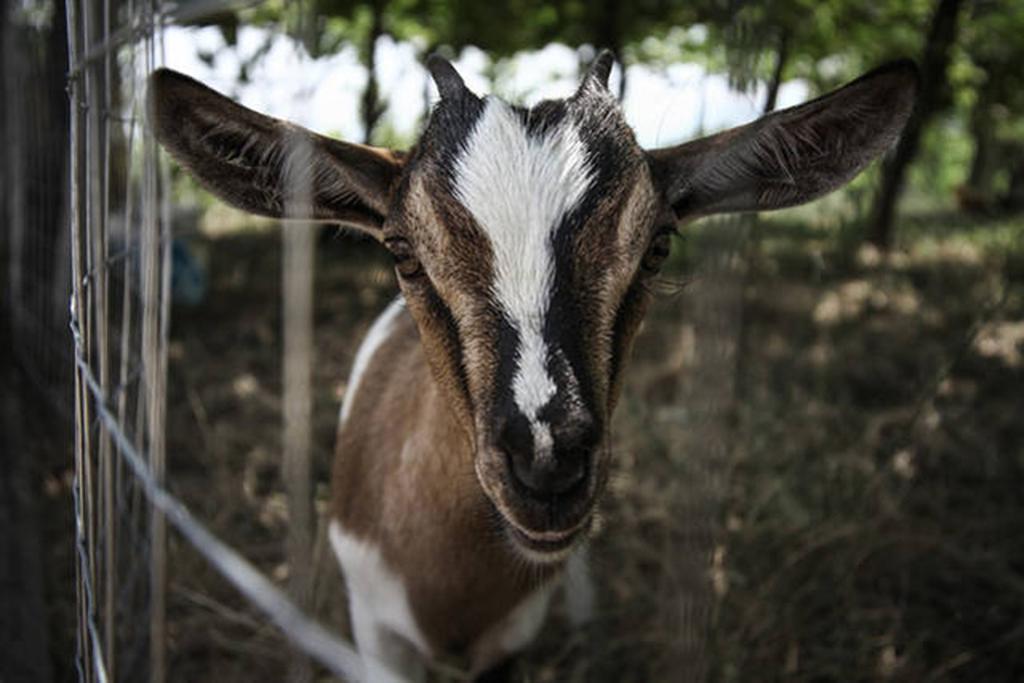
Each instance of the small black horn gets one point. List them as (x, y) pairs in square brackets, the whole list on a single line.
[(449, 82), (598, 71)]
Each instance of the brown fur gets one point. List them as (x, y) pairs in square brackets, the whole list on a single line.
[(404, 479), (409, 438)]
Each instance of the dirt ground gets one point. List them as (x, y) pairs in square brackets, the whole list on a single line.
[(819, 460)]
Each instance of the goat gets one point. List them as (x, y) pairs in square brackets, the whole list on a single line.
[(473, 442)]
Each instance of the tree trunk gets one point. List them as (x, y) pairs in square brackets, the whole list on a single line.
[(371, 108), (781, 57), (930, 99), (982, 128), (1013, 200)]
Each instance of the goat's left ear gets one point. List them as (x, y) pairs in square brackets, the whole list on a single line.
[(266, 166), (792, 156)]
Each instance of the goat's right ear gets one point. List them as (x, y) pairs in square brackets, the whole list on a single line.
[(267, 166)]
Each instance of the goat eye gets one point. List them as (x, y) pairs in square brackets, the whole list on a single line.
[(657, 252), (406, 263)]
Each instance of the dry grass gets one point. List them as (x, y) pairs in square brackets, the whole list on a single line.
[(844, 503)]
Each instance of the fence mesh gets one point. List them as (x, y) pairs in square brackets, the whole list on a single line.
[(103, 359), (121, 269), (119, 316)]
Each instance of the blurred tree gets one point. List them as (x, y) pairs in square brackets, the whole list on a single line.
[(613, 25), (995, 90), (824, 43), (761, 39), (504, 28), (933, 95), (322, 27), (326, 25)]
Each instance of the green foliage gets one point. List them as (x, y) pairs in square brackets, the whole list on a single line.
[(827, 42), (944, 160), (385, 135)]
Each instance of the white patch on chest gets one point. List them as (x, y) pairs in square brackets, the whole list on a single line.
[(519, 188), (378, 603), (513, 633), (380, 610), (379, 332)]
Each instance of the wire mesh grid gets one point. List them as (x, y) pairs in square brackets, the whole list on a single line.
[(121, 268), (121, 241), (119, 315)]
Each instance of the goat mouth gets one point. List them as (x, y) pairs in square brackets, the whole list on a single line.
[(546, 546), (543, 529), (539, 540), (546, 522)]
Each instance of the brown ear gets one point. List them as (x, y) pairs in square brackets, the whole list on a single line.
[(266, 166), (792, 156)]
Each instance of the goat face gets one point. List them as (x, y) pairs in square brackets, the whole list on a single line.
[(524, 240)]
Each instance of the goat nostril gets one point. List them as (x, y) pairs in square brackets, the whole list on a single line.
[(516, 439), (558, 469), (523, 472), (569, 474), (547, 476)]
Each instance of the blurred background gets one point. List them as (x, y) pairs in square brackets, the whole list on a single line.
[(820, 448)]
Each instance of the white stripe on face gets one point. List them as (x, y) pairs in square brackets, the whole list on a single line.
[(518, 189)]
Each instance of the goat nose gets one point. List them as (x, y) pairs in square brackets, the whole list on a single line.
[(551, 472)]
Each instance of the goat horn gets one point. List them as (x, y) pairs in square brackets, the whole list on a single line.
[(449, 82), (598, 71)]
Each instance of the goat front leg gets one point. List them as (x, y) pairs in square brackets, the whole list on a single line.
[(387, 656), (384, 628)]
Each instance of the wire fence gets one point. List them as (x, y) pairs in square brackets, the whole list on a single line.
[(111, 346), (119, 315), (85, 195), (121, 267)]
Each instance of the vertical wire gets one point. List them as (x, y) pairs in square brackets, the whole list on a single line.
[(297, 285), (128, 495), (297, 294), (138, 503), (154, 329), (126, 266), (106, 455), (159, 435), (85, 313), (77, 301)]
